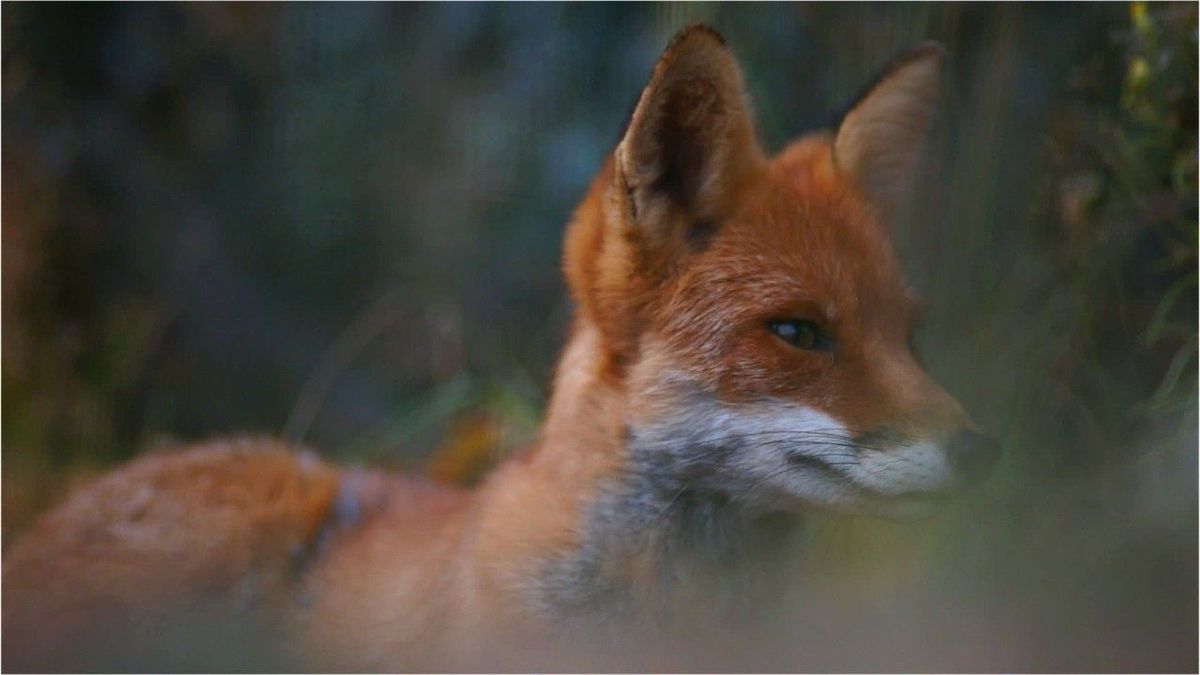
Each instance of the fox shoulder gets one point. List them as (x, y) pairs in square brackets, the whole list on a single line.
[(234, 520)]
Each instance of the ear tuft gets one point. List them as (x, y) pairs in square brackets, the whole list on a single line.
[(881, 139), (690, 138), (693, 32)]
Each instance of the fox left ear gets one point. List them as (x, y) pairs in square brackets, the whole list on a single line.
[(690, 141), (880, 141)]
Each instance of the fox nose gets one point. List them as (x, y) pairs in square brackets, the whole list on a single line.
[(972, 456)]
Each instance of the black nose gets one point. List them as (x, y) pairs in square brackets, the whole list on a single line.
[(972, 456)]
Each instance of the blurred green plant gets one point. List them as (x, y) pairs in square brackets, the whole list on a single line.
[(1125, 172), (1156, 138)]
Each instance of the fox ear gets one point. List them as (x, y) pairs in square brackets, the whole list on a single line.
[(690, 140), (880, 141)]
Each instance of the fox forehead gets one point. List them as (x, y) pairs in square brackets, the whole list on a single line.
[(804, 244)]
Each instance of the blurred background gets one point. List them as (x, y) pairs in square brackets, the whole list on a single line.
[(341, 224)]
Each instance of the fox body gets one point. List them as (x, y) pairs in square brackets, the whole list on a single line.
[(740, 356)]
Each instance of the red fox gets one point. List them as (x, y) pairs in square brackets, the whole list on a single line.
[(739, 357)]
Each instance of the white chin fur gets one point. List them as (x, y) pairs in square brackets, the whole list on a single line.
[(901, 469), (764, 440)]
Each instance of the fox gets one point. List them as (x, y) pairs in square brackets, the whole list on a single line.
[(739, 358)]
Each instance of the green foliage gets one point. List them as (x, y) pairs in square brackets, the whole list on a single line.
[(1130, 211)]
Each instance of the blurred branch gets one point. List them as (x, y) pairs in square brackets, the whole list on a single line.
[(382, 314)]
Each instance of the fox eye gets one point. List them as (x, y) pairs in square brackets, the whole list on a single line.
[(802, 334)]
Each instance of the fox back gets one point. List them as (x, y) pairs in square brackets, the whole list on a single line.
[(740, 357)]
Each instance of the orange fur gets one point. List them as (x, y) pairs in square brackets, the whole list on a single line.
[(687, 242), (169, 532)]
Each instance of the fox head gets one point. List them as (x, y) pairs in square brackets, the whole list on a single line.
[(751, 309)]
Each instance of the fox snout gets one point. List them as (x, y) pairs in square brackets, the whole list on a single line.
[(894, 465), (925, 425)]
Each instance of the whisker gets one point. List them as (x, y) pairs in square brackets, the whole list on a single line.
[(832, 438)]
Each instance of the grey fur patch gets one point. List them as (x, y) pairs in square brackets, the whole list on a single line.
[(709, 558)]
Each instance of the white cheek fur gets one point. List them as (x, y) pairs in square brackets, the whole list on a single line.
[(763, 441)]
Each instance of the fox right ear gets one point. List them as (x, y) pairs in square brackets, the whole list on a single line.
[(690, 140), (880, 141)]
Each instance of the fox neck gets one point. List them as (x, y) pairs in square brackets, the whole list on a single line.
[(648, 539)]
